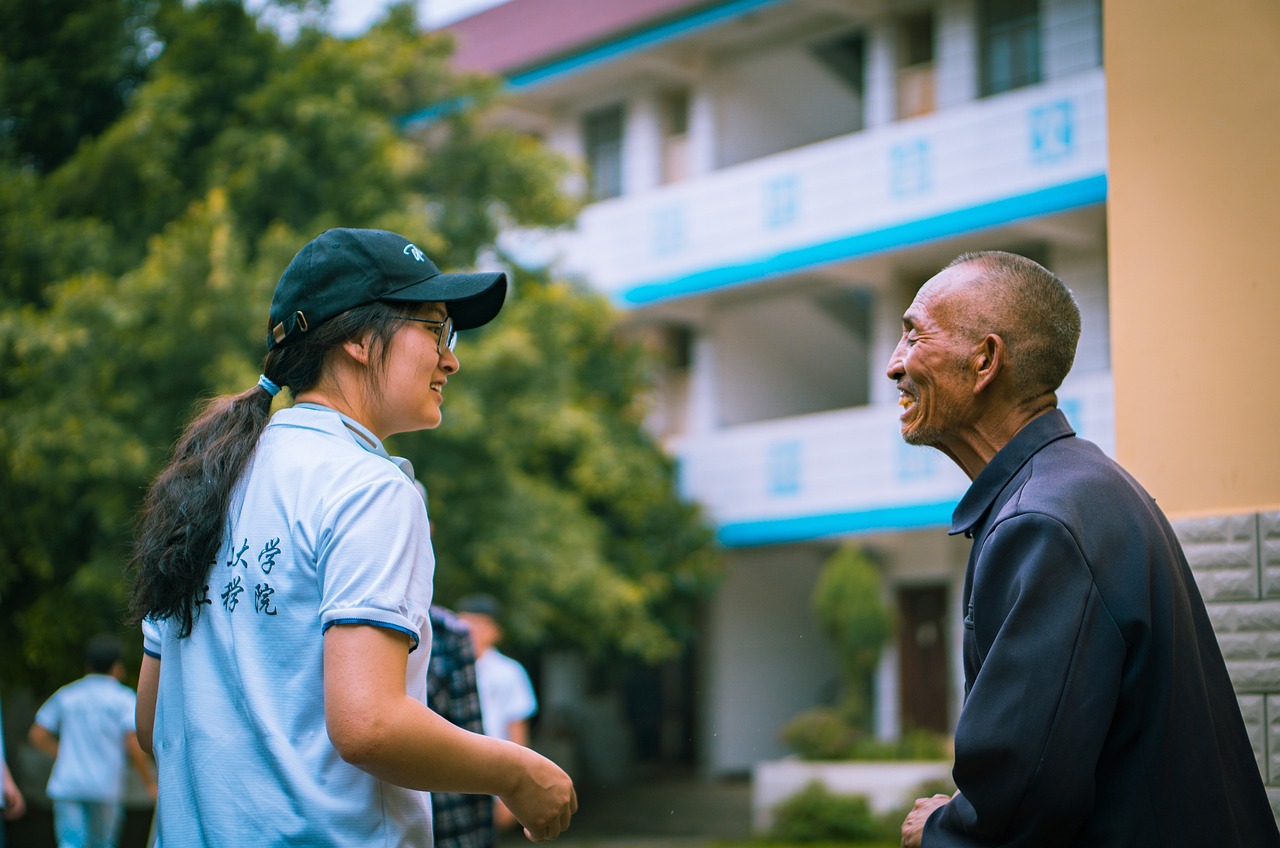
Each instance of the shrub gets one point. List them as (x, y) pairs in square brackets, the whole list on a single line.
[(815, 814), (848, 602), (820, 734), (827, 734), (914, 745)]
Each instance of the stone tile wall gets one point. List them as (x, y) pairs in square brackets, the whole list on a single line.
[(1236, 561)]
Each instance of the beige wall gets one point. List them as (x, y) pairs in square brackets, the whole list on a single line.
[(1194, 231)]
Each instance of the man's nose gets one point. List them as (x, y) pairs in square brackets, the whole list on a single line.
[(894, 369)]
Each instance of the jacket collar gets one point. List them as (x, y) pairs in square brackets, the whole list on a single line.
[(1042, 430)]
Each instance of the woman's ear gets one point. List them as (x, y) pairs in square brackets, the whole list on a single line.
[(358, 349)]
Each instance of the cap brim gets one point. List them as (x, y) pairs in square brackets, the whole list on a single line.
[(473, 299)]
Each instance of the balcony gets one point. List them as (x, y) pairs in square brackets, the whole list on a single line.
[(842, 472), (1026, 153)]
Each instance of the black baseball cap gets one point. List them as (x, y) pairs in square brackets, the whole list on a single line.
[(341, 269), (480, 604)]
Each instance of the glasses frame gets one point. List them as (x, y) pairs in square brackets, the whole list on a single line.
[(446, 336)]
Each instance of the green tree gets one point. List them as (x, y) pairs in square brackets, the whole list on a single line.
[(547, 490), (135, 277), (67, 68), (849, 604)]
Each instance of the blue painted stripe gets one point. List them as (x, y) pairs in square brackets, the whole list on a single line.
[(435, 112), (1059, 198), (577, 62), (641, 40), (747, 534)]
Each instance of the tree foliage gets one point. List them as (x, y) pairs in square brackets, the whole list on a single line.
[(849, 604), (67, 67), (135, 271), (550, 492)]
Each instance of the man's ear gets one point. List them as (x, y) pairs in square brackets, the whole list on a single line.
[(988, 361)]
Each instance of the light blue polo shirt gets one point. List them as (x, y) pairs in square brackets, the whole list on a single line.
[(325, 528), (91, 718)]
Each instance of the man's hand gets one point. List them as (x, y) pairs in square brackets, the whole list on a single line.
[(913, 827)]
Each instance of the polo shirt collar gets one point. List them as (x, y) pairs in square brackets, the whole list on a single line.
[(363, 437), (991, 480)]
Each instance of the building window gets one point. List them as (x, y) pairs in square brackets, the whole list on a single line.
[(915, 83), (674, 114), (845, 57), (602, 140), (1009, 32)]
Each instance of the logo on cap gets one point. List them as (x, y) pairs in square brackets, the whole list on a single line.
[(412, 250)]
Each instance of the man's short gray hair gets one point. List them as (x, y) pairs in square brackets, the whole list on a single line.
[(1032, 310)]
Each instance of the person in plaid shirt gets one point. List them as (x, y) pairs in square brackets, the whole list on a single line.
[(460, 821)]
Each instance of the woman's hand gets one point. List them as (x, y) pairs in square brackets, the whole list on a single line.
[(544, 799)]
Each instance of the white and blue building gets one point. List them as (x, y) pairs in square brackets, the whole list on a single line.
[(771, 181)]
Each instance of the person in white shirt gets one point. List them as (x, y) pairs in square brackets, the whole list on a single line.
[(507, 701), (283, 575), (12, 805), (87, 727)]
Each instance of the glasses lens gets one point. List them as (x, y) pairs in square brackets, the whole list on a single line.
[(448, 337)]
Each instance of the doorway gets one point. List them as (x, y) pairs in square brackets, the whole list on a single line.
[(922, 649)]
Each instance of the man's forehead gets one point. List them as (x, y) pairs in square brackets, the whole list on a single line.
[(947, 289)]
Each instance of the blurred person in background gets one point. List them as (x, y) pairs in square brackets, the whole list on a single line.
[(507, 701), (87, 727), (460, 820), (283, 575), (12, 804)]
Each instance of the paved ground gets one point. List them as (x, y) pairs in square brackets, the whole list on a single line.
[(662, 812)]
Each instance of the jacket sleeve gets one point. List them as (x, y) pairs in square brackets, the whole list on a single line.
[(1049, 659)]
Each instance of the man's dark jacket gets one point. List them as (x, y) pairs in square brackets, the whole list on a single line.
[(1098, 711)]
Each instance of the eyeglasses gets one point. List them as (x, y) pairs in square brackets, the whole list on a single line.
[(446, 336)]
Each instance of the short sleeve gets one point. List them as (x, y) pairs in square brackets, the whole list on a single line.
[(128, 711), (49, 716), (152, 637), (376, 564)]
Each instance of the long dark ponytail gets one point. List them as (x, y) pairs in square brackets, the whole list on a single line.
[(183, 517)]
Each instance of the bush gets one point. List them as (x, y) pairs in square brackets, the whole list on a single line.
[(848, 602), (827, 734), (820, 734), (815, 814), (915, 745)]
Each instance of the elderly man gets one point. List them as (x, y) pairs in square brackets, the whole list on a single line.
[(1098, 711)]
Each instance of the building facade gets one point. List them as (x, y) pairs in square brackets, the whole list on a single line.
[(770, 182), (1192, 223)]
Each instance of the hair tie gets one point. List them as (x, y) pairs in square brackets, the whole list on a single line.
[(265, 382)]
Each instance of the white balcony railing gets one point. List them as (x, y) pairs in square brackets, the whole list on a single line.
[(843, 472), (981, 164)]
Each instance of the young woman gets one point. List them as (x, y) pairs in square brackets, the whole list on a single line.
[(283, 571)]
